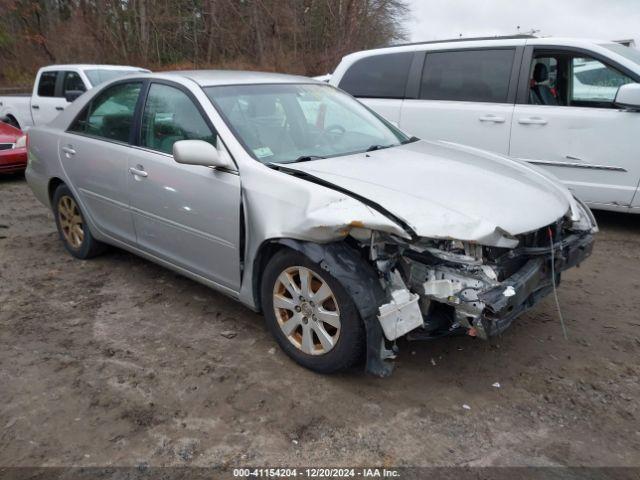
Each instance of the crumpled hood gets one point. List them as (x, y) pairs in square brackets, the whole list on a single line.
[(443, 190)]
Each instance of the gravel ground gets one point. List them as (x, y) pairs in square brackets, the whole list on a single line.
[(118, 362)]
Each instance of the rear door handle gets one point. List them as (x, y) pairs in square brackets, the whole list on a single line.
[(68, 150), (138, 172), (532, 121), (492, 118), (35, 107), (60, 108)]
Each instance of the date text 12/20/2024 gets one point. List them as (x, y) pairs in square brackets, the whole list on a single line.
[(315, 473)]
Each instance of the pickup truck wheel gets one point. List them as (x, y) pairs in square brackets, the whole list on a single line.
[(73, 230), (312, 317)]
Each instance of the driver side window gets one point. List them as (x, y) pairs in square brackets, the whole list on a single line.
[(566, 79), (170, 116)]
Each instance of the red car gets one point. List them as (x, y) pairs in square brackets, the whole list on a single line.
[(13, 149)]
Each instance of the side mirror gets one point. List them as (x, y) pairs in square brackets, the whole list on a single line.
[(71, 95), (199, 152), (628, 96)]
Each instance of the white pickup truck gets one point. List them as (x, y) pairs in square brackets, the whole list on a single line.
[(55, 87)]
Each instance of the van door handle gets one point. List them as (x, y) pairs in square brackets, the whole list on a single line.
[(35, 107), (138, 172), (68, 150), (60, 108), (492, 118), (532, 121)]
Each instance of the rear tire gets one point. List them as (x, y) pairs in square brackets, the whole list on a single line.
[(72, 227), (310, 314)]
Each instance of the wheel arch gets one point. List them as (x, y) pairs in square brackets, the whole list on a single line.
[(54, 183), (356, 276), (12, 120)]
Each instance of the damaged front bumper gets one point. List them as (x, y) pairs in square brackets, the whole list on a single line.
[(479, 298), (529, 284)]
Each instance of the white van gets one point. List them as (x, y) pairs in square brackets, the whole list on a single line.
[(570, 105)]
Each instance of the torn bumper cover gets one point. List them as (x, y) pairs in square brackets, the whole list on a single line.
[(529, 284), (478, 301)]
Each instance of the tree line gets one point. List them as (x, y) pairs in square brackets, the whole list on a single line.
[(297, 36)]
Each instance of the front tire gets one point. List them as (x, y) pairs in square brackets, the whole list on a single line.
[(72, 227), (312, 317)]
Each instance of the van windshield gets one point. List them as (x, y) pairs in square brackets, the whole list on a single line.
[(285, 123), (627, 52)]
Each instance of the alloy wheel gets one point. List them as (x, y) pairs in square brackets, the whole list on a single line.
[(306, 310), (70, 221)]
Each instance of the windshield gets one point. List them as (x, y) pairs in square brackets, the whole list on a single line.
[(285, 123), (627, 52), (96, 77)]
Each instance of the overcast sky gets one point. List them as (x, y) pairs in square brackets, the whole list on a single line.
[(601, 19)]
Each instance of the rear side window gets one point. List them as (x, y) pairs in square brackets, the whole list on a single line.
[(379, 76), (467, 76), (110, 113), (47, 84)]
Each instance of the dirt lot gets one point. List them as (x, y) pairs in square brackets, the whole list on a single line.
[(116, 361)]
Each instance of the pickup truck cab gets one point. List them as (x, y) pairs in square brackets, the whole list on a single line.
[(55, 87), (565, 104)]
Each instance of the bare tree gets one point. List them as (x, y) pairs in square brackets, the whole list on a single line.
[(299, 36)]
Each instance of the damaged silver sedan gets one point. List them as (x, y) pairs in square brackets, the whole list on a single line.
[(302, 203)]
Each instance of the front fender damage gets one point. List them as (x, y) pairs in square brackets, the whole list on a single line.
[(401, 282), (339, 217)]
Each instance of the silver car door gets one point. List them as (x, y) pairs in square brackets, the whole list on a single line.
[(185, 214), (94, 153)]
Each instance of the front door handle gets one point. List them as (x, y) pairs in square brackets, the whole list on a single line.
[(532, 121), (35, 107), (60, 108), (492, 118), (138, 172), (68, 150)]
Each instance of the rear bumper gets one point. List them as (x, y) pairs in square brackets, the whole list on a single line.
[(530, 284), (14, 160)]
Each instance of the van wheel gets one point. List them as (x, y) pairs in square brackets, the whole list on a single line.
[(73, 230), (312, 317)]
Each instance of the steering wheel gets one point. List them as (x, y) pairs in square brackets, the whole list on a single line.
[(334, 129)]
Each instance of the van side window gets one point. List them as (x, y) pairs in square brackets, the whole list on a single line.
[(378, 76), (567, 79), (110, 113), (47, 84), (467, 76)]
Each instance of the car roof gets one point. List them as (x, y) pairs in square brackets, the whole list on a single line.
[(209, 78)]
